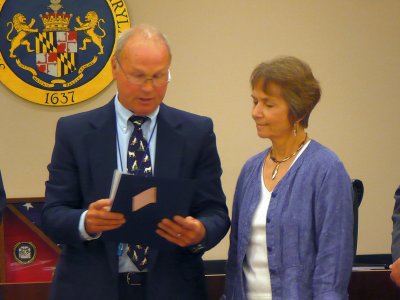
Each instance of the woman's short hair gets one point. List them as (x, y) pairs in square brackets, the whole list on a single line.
[(299, 87)]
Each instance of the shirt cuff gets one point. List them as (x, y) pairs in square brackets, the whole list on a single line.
[(84, 235)]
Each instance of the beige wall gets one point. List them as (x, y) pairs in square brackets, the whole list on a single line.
[(352, 46)]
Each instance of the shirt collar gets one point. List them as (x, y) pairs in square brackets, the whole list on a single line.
[(124, 114)]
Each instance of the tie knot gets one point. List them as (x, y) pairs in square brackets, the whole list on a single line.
[(138, 120)]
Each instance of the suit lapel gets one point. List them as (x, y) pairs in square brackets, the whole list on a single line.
[(102, 150), (170, 145), (101, 142), (169, 154)]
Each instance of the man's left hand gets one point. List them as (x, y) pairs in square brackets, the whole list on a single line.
[(182, 231), (395, 274)]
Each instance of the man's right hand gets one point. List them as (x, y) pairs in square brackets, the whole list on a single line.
[(99, 218)]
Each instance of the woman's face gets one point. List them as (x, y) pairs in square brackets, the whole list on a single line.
[(270, 112)]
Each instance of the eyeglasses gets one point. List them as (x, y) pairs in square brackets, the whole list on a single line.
[(140, 79)]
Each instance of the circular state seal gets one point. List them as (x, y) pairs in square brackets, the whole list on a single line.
[(58, 52), (24, 252)]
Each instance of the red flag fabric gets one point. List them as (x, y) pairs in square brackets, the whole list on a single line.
[(28, 256)]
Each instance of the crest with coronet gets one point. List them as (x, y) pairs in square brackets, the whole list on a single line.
[(59, 53)]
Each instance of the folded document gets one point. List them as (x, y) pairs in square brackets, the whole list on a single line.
[(145, 201)]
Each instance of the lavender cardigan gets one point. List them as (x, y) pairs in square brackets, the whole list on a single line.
[(309, 225)]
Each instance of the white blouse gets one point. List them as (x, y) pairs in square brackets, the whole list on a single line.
[(255, 266)]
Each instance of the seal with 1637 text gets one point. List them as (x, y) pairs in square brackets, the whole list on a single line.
[(58, 52)]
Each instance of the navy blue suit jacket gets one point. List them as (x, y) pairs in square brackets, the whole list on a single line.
[(80, 172), (396, 226)]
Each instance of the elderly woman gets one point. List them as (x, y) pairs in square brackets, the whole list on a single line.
[(292, 220)]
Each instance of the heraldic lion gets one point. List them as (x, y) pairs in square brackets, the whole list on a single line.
[(91, 22), (22, 29)]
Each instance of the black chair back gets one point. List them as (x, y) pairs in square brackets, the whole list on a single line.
[(358, 193)]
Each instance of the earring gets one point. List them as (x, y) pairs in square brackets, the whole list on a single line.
[(295, 130)]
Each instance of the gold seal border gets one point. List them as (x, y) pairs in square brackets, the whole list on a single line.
[(73, 95), (21, 261)]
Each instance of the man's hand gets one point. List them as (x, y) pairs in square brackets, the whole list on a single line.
[(182, 231), (395, 274), (99, 218)]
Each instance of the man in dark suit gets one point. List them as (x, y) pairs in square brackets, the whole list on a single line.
[(90, 145), (2, 198), (395, 267)]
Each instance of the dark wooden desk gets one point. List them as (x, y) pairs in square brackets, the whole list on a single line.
[(372, 285), (24, 291), (364, 285)]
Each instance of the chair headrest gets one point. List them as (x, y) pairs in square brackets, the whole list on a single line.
[(358, 189)]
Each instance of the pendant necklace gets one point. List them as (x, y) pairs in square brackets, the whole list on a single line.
[(278, 162)]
